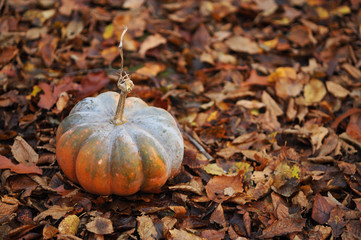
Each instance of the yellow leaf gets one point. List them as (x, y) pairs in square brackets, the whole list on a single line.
[(108, 32), (271, 43), (322, 13), (214, 169), (295, 171), (212, 116), (314, 91), (282, 72), (283, 21), (69, 225), (342, 10), (36, 90)]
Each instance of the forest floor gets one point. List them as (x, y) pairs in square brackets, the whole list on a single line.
[(267, 94)]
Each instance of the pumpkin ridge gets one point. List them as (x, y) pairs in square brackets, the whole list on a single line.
[(167, 163), (79, 125), (95, 171), (81, 145), (111, 154), (137, 150)]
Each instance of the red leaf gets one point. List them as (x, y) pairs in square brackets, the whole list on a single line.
[(348, 113), (49, 98), (92, 83), (47, 47), (19, 168), (255, 79), (321, 209)]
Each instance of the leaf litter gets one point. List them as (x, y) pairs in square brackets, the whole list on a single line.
[(267, 94)]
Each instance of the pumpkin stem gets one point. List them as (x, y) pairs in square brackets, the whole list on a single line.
[(124, 84)]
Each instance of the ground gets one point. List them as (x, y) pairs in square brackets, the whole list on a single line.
[(266, 93)]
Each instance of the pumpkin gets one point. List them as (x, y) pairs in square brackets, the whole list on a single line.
[(105, 158), (111, 144)]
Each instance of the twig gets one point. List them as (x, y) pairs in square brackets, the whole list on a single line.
[(198, 146)]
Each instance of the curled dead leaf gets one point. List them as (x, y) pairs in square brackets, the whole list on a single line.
[(100, 225)]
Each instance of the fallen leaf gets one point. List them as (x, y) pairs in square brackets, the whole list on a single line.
[(49, 231), (151, 69), (109, 54), (321, 209), (195, 185), (6, 210), (6, 54), (337, 90), (337, 221), (320, 233), (271, 104), (176, 234), (100, 225), (69, 225), (314, 91), (56, 212), (20, 168), (214, 169), (47, 46), (146, 228), (255, 79), (201, 38), (211, 234), (23, 152), (283, 227), (242, 44), (92, 83), (354, 126), (218, 216), (151, 42), (301, 35), (51, 94), (215, 187), (133, 4)]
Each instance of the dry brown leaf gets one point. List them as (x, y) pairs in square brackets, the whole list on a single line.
[(100, 225), (146, 228), (321, 209), (353, 71), (23, 152), (271, 104), (150, 42), (56, 212), (176, 234), (168, 224), (283, 227), (320, 233), (7, 210), (301, 35), (133, 4), (216, 186), (151, 69), (218, 216), (109, 54), (242, 44), (47, 47), (195, 185), (21, 168), (336, 89), (314, 91), (254, 104), (49, 232), (69, 225), (337, 221), (211, 234)]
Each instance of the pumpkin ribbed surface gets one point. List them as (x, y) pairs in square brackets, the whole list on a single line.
[(104, 158)]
